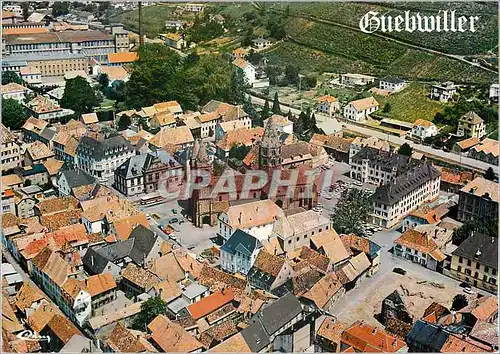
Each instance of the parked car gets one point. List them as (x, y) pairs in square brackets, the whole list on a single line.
[(464, 285), (357, 183), (173, 220), (399, 271), (468, 291), (148, 217), (172, 236)]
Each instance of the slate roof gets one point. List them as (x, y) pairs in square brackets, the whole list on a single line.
[(132, 167), (256, 337), (98, 148), (140, 242), (392, 80), (266, 268), (241, 242), (481, 248), (386, 160), (393, 192), (427, 334), (77, 178)]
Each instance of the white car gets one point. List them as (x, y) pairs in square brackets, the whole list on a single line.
[(358, 183), (317, 209), (148, 217), (468, 291)]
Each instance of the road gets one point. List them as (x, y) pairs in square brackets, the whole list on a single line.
[(427, 150)]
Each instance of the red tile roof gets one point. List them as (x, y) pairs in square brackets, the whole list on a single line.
[(366, 338), (211, 303)]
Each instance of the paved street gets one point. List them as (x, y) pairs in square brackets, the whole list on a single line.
[(193, 238), (427, 150)]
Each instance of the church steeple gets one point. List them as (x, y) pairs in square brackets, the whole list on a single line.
[(270, 146)]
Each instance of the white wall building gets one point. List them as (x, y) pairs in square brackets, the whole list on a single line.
[(247, 68), (392, 84), (423, 129), (360, 109), (100, 158), (393, 201), (255, 218)]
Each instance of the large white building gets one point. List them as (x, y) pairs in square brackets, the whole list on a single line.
[(247, 68), (423, 129), (238, 254), (394, 200), (359, 110), (255, 218), (378, 167), (101, 156), (392, 84)]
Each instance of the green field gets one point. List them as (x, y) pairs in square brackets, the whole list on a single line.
[(323, 47), (411, 104), (153, 19), (483, 40)]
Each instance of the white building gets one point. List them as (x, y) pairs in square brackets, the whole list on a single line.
[(32, 75), (443, 92), (328, 104), (101, 157), (423, 129), (196, 8), (13, 8), (247, 68), (255, 218), (471, 125), (356, 79), (239, 252), (392, 84), (261, 43), (295, 231), (396, 199), (15, 91), (494, 92), (360, 109), (358, 143)]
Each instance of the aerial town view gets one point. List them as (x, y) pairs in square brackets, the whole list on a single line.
[(249, 177)]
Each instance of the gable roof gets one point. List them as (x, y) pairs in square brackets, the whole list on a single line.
[(63, 328), (329, 243), (100, 283), (124, 227), (241, 242), (276, 315), (121, 340), (253, 214), (126, 57), (167, 267), (482, 188), (366, 338), (171, 337), (324, 290), (480, 247), (140, 276), (174, 136), (364, 103), (77, 178), (211, 303), (90, 118)]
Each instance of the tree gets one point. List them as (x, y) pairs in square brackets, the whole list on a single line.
[(459, 302), (151, 308), (26, 10), (291, 74), (103, 80), (249, 109), (13, 114), (79, 96), (124, 122), (60, 8), (352, 211), (276, 104), (153, 76), (11, 76), (239, 152), (236, 94), (405, 149), (490, 174), (266, 113), (387, 108), (482, 225)]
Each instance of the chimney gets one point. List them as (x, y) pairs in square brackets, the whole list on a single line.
[(239, 219), (92, 260), (223, 291), (161, 292)]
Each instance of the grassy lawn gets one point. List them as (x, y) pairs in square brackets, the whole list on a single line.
[(153, 19), (411, 104), (106, 105)]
